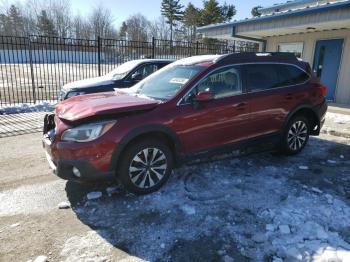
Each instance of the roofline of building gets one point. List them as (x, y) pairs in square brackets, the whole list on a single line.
[(287, 4), (310, 10)]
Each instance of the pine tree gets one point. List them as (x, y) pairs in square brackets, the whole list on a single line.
[(45, 25), (227, 12), (15, 21), (213, 13), (123, 30), (191, 18), (255, 11), (172, 11)]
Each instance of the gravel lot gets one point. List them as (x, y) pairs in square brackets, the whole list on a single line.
[(258, 207)]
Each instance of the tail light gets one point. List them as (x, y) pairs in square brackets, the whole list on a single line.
[(323, 89)]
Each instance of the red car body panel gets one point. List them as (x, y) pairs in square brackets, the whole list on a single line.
[(210, 125), (81, 107)]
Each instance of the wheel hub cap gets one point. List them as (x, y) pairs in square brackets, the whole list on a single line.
[(148, 167), (297, 135)]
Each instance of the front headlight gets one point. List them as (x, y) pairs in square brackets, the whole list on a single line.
[(71, 94), (87, 132)]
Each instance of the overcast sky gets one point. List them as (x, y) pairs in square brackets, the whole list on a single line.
[(121, 9)]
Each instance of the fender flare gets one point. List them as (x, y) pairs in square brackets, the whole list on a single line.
[(143, 130), (296, 109)]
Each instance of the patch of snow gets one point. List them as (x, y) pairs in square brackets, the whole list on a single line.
[(63, 205), (227, 258), (341, 156), (284, 229), (94, 195), (46, 106), (270, 227), (303, 167), (329, 198), (259, 238), (112, 190), (189, 210), (293, 254), (316, 190), (15, 225), (162, 245), (338, 118), (329, 161), (41, 259)]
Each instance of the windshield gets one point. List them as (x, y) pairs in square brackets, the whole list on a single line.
[(122, 70), (166, 82)]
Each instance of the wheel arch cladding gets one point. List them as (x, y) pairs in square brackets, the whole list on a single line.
[(308, 112), (149, 131)]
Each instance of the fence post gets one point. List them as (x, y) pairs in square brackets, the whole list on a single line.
[(99, 55), (31, 68), (197, 47), (153, 47)]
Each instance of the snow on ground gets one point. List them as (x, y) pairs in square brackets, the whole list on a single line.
[(45, 106), (338, 118), (248, 208)]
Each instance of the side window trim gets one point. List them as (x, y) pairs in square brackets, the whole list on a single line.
[(238, 66), (245, 89)]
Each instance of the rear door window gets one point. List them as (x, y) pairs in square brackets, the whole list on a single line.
[(261, 77)]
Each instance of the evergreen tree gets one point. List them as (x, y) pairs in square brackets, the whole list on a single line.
[(15, 21), (172, 11), (255, 11), (213, 13), (4, 24), (45, 25), (191, 19), (123, 30), (227, 12)]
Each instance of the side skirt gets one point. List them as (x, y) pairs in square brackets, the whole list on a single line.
[(254, 145)]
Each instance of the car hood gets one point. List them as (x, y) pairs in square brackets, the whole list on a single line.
[(86, 106), (90, 82)]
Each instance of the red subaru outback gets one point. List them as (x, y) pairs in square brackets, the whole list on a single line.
[(202, 104)]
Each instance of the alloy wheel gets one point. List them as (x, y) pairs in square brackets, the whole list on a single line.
[(148, 168), (297, 135)]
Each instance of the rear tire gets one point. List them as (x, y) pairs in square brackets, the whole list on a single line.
[(295, 136), (145, 166)]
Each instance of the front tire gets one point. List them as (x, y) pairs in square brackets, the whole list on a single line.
[(296, 135), (145, 166)]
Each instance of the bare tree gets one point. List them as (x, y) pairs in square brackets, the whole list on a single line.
[(101, 21), (61, 15), (81, 28), (160, 29), (137, 28)]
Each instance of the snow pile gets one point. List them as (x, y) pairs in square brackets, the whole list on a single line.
[(259, 207), (94, 195), (26, 108), (338, 118)]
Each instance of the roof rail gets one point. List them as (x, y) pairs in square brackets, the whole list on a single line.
[(284, 55)]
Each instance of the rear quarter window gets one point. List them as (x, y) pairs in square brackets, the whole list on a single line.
[(291, 75), (261, 77)]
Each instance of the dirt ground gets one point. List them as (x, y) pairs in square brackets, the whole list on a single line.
[(259, 207)]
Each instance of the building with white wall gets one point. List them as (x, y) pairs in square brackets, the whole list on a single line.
[(316, 31)]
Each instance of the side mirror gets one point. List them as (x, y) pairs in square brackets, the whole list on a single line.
[(204, 96), (136, 76)]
